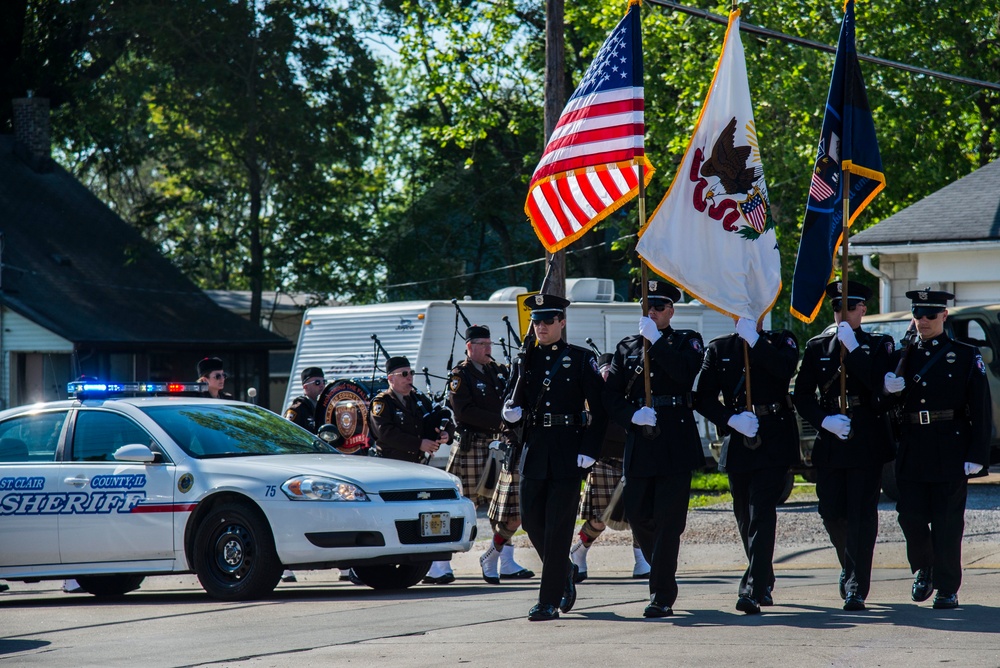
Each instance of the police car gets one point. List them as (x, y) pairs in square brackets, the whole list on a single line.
[(108, 489)]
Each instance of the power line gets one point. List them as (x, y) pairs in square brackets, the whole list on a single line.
[(774, 34)]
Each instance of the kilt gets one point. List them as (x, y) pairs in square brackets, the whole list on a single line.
[(604, 476), (505, 504), (468, 466)]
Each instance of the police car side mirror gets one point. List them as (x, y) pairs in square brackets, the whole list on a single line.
[(135, 452)]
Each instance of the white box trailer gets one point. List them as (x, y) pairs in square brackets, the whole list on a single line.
[(338, 339)]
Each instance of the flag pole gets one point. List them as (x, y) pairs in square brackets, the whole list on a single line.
[(844, 300), (645, 283)]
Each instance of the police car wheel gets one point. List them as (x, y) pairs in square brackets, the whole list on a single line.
[(106, 586), (234, 555), (392, 576)]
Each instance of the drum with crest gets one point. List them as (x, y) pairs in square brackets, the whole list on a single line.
[(342, 412)]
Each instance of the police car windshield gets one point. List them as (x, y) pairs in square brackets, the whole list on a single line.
[(217, 430)]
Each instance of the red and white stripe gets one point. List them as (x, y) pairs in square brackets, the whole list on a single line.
[(587, 169)]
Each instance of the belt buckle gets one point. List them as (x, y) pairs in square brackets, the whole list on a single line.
[(547, 419), (925, 417)]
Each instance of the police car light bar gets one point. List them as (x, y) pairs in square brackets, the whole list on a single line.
[(82, 389)]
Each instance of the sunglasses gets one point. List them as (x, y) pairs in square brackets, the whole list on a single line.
[(318, 382), (404, 374), (546, 321), (929, 314), (850, 305), (218, 376), (660, 306)]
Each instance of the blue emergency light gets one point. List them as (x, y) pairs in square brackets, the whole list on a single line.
[(91, 389)]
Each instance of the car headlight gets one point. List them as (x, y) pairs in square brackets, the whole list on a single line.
[(318, 488), (458, 483)]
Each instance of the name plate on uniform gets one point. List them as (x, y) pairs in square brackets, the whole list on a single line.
[(435, 524)]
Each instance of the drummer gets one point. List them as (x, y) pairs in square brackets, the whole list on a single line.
[(302, 410)]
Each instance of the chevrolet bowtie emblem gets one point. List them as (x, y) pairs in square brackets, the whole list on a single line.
[(423, 496)]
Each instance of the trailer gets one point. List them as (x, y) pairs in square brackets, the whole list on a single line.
[(339, 339)]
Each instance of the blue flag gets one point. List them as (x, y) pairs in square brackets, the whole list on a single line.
[(847, 143)]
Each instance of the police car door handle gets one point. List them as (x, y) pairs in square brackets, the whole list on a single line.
[(77, 482)]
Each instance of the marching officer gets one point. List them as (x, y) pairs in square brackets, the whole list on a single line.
[(551, 391), (475, 394), (406, 427), (663, 445), (302, 410), (765, 445), (945, 437), (851, 448)]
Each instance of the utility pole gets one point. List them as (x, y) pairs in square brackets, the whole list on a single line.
[(555, 100)]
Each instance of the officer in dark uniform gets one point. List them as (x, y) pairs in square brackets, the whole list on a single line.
[(302, 410), (552, 389), (945, 437), (663, 445), (210, 372), (475, 394), (850, 448), (397, 417), (761, 443)]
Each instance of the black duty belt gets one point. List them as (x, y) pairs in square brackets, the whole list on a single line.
[(770, 409), (926, 417), (834, 402), (660, 400), (562, 419)]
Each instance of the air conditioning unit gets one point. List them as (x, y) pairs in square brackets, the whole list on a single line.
[(590, 289), (507, 294)]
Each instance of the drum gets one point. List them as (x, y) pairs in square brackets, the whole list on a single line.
[(344, 404)]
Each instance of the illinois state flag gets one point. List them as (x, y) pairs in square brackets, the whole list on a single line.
[(589, 168), (713, 234), (847, 143)]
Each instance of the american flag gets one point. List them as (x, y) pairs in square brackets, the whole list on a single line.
[(755, 211), (589, 167), (818, 189)]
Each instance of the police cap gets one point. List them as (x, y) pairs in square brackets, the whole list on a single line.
[(858, 291), (657, 289), (311, 372), (208, 365), (394, 363), (927, 301), (545, 306)]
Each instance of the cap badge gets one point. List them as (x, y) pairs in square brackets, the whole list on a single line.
[(923, 296), (539, 300), (653, 285), (840, 287)]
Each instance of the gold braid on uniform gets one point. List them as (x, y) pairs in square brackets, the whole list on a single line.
[(589, 533)]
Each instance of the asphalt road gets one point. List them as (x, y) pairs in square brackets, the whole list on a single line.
[(321, 621)]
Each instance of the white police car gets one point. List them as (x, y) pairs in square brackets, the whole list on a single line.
[(109, 490)]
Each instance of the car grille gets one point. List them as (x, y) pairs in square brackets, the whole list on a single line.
[(419, 495), (409, 532)]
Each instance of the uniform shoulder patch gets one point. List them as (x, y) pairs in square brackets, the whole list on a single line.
[(593, 364), (980, 364), (456, 382), (377, 407), (696, 344), (291, 413), (889, 347)]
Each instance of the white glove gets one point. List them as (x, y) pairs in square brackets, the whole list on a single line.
[(745, 423), (972, 468), (648, 329), (845, 334), (510, 413), (838, 425), (584, 462), (747, 329), (645, 416), (893, 384)]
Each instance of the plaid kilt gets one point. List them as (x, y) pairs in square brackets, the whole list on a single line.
[(505, 504), (604, 476), (468, 466)]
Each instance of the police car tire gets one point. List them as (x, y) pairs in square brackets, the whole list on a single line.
[(107, 586), (392, 576), (234, 555)]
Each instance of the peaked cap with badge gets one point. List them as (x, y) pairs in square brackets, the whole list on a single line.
[(544, 306), (657, 289), (858, 291), (929, 298)]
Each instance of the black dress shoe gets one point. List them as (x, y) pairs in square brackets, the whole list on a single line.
[(923, 585), (854, 602), (543, 613), (569, 592), (655, 610), (522, 574), (440, 580), (747, 605), (945, 601), (767, 599), (843, 585)]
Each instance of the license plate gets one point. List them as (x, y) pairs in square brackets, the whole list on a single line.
[(435, 524)]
